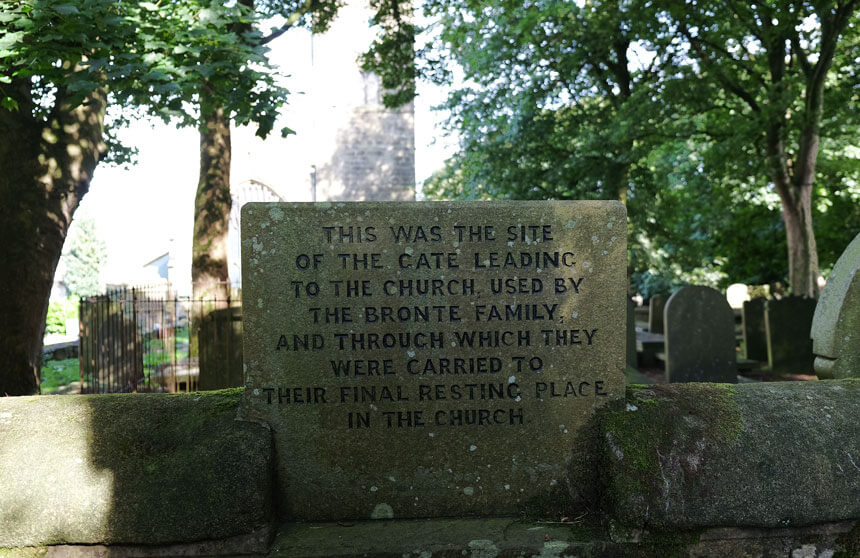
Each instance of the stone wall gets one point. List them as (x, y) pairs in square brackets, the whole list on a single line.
[(686, 470), (146, 469)]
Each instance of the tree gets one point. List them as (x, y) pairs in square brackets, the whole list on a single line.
[(62, 64), (567, 101), (760, 72), (210, 277), (84, 260), (555, 104), (213, 201)]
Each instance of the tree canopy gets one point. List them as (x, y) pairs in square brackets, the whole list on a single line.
[(147, 56), (70, 72), (726, 127)]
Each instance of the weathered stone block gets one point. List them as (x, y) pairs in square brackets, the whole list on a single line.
[(836, 323), (753, 455), (131, 468), (430, 359)]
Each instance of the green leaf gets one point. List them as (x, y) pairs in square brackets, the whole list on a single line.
[(8, 103), (11, 39), (156, 75), (66, 9), (81, 86)]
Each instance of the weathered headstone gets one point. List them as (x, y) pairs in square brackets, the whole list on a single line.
[(655, 313), (755, 338), (430, 359), (788, 323), (700, 337), (631, 334), (836, 323)]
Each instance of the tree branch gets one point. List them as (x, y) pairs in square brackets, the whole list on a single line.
[(288, 24), (801, 55), (730, 86), (725, 52)]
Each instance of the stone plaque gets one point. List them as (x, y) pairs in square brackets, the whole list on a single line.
[(430, 359)]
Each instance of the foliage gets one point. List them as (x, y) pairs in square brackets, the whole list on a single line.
[(152, 57), (87, 254), (157, 352), (58, 312), (673, 106), (59, 373), (66, 66)]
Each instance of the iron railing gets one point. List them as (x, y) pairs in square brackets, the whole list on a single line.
[(142, 339)]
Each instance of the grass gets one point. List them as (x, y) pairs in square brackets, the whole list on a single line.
[(59, 373), (157, 353)]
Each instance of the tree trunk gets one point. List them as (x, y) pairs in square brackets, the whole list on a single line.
[(212, 204), (46, 170), (802, 251), (795, 193)]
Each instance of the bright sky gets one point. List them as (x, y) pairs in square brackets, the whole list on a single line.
[(139, 210)]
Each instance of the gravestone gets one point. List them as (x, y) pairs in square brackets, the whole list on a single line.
[(631, 334), (788, 323), (700, 337), (836, 323), (655, 313), (430, 359), (755, 338)]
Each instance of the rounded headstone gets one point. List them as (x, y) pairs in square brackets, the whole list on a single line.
[(700, 337), (836, 324), (631, 333)]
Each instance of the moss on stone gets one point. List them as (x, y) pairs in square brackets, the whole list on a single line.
[(668, 545), (662, 424), (36, 552), (776, 454)]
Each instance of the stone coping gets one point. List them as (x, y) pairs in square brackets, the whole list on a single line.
[(131, 469), (714, 462), (767, 455)]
